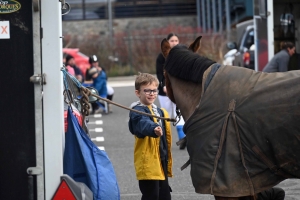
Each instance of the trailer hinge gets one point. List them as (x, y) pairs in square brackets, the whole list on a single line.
[(65, 7), (34, 170), (38, 78), (41, 32), (63, 4), (36, 5)]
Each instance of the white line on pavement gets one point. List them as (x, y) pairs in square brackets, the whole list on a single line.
[(121, 84), (97, 115), (98, 130), (96, 122), (102, 148), (98, 139)]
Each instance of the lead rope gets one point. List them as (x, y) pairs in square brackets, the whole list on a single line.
[(121, 106), (84, 101)]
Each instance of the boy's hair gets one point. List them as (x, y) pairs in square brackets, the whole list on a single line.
[(145, 79)]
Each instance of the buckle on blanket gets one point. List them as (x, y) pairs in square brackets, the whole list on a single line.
[(178, 116)]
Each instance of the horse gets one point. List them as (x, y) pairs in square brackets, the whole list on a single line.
[(241, 126)]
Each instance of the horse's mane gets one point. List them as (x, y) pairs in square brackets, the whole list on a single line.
[(182, 63)]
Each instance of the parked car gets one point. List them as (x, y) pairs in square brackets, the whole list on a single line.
[(244, 55), (248, 57)]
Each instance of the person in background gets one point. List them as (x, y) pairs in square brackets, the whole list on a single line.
[(99, 83), (70, 62), (69, 69), (110, 95), (93, 60), (94, 63), (153, 139), (279, 63), (164, 100)]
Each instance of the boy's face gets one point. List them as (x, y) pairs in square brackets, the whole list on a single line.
[(147, 93)]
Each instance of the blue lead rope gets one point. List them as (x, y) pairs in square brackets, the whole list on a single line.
[(73, 79), (65, 74)]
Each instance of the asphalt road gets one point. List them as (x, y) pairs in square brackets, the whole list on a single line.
[(110, 132)]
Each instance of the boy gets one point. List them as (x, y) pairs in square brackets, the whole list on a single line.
[(153, 139)]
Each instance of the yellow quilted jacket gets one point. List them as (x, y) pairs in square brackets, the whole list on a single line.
[(147, 157)]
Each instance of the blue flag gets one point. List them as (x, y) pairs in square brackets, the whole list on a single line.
[(86, 163)]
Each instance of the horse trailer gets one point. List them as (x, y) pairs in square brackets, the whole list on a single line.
[(275, 21), (32, 125)]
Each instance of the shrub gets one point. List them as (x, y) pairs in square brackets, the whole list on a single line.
[(136, 50)]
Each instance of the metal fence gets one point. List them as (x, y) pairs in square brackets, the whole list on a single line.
[(101, 9)]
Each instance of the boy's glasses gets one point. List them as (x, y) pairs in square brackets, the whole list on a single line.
[(148, 91)]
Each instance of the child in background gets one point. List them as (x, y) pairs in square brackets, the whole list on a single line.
[(153, 139)]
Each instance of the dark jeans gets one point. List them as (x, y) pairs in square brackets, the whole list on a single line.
[(156, 189), (271, 194)]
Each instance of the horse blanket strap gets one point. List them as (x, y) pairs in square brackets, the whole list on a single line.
[(214, 69), (181, 141), (269, 163), (263, 112), (231, 108), (185, 164)]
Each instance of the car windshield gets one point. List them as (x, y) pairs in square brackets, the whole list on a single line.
[(247, 40)]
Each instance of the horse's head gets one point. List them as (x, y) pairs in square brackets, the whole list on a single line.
[(183, 71), (165, 46)]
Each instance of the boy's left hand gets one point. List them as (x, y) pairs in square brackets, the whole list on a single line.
[(158, 131)]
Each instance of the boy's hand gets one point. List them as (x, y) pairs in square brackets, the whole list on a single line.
[(158, 131)]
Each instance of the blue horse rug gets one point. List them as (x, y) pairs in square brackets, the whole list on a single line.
[(86, 163)]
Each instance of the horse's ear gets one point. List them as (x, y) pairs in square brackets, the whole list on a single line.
[(195, 46), (165, 47)]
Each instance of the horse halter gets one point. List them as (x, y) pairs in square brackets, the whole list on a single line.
[(178, 116)]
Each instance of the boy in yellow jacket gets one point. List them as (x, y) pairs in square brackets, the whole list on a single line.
[(153, 139)]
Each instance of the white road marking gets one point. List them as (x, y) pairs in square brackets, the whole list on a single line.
[(98, 139), (97, 115), (98, 130), (121, 84), (96, 122), (102, 148)]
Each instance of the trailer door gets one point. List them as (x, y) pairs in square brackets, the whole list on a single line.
[(264, 36), (17, 143), (31, 144)]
